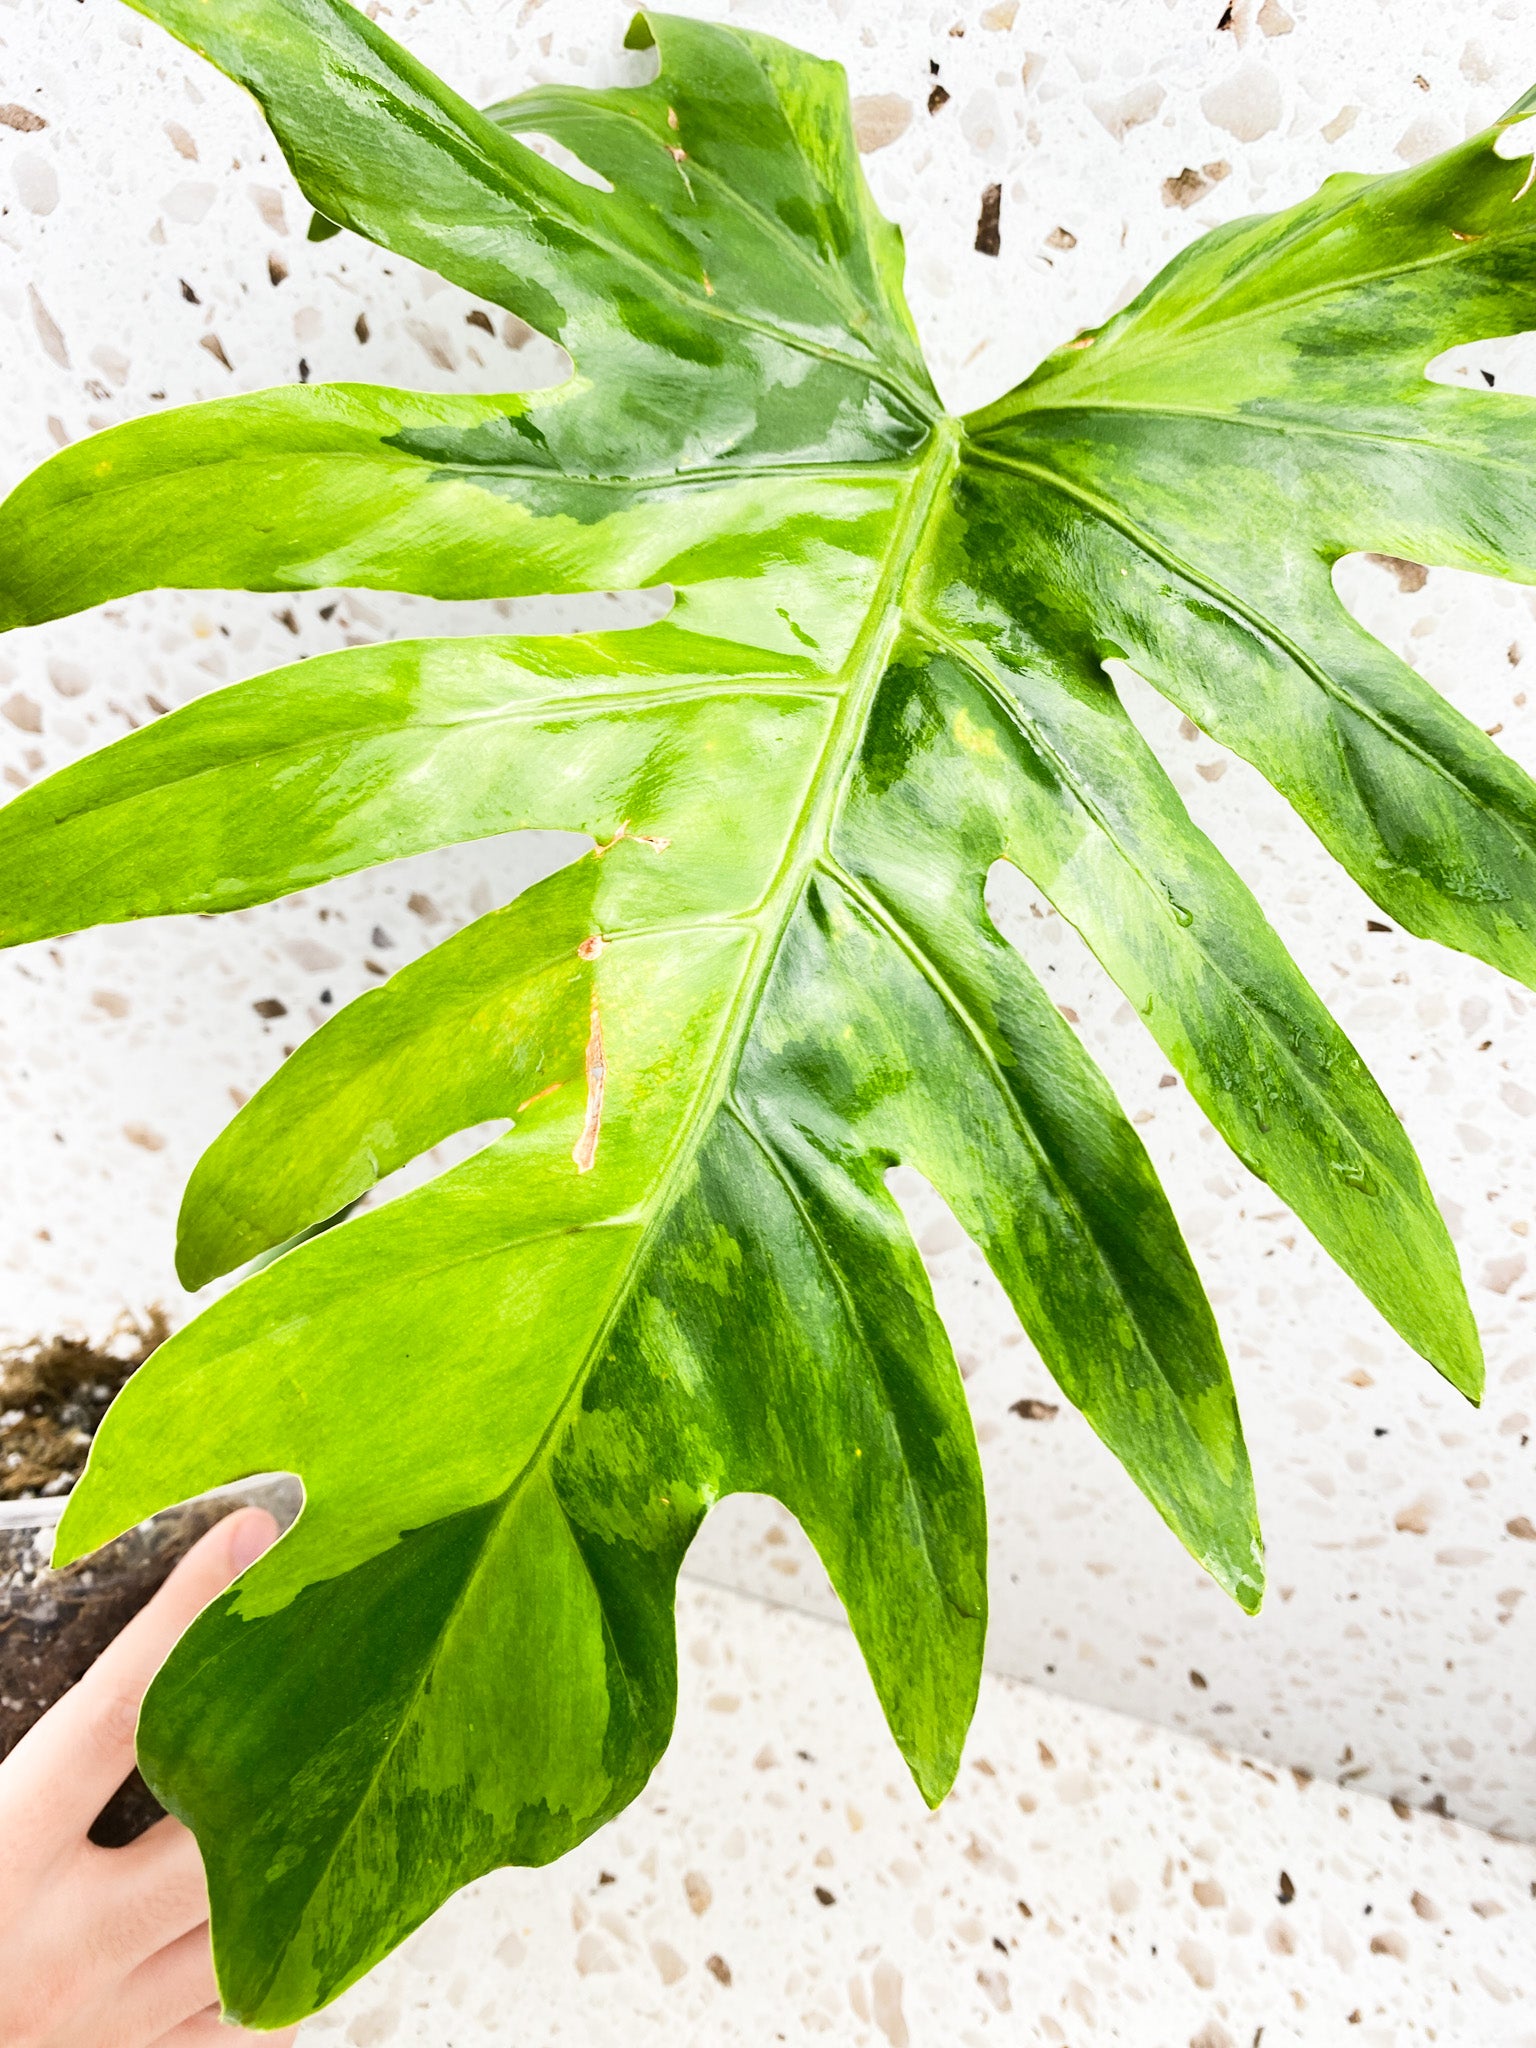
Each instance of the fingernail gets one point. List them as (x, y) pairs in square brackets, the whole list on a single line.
[(254, 1531)]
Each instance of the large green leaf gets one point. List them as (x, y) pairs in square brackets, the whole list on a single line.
[(513, 1395)]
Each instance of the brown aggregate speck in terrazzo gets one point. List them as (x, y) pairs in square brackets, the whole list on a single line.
[(988, 230), (879, 119)]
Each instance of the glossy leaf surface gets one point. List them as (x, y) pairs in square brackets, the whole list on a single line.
[(679, 1274)]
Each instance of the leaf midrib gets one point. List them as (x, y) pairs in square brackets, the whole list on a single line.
[(1010, 709), (494, 162), (391, 456), (1262, 627), (1192, 331), (805, 842), (1265, 423), (533, 711), (742, 1117), (830, 283), (883, 915), (866, 666)]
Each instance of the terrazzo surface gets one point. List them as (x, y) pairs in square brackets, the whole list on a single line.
[(154, 252), (1090, 1881)]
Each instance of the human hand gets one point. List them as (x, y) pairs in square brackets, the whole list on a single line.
[(108, 1948)]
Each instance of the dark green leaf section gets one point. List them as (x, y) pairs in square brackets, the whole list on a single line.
[(958, 1063), (1083, 808), (514, 1394), (1197, 467), (799, 350), (755, 136), (342, 484), (744, 1313), (517, 1658)]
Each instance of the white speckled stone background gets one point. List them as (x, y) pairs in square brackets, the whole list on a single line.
[(1091, 1882), (154, 253)]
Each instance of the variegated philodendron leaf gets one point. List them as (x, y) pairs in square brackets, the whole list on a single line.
[(680, 1274)]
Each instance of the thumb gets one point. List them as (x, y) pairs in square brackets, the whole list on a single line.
[(76, 1756), (127, 1665)]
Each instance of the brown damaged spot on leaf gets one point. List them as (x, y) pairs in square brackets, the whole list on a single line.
[(584, 1151), (530, 1100), (655, 842), (590, 948)]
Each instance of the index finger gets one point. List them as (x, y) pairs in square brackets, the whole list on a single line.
[(67, 1766)]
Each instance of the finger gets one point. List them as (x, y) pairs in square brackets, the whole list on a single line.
[(67, 1766), (89, 1938), (174, 1985), (144, 1896)]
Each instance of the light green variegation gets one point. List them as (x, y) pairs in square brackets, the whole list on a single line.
[(679, 1273)]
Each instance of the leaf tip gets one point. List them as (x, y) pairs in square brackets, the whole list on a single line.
[(77, 1536), (1470, 1380), (1238, 1568), (934, 1778), (195, 1264), (1457, 1354)]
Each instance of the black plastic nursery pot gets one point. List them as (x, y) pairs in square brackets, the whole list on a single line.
[(54, 1625)]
